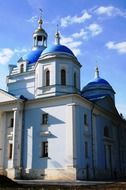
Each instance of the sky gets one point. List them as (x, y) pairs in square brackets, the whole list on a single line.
[(95, 30)]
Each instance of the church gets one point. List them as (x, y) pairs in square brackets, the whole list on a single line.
[(52, 129)]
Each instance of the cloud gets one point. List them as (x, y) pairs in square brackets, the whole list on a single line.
[(5, 55), (32, 19), (75, 19), (119, 47), (110, 11), (73, 45), (81, 34), (90, 31), (95, 29)]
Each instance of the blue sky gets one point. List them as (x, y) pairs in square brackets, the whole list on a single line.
[(95, 30)]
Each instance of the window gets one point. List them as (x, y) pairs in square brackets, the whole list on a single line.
[(106, 132), (85, 119), (75, 80), (47, 78), (11, 122), (86, 150), (45, 118), (63, 77), (45, 149), (22, 68), (10, 151)]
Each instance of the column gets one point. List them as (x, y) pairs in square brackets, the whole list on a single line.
[(17, 135), (71, 136), (3, 141)]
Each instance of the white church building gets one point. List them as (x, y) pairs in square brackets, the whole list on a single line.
[(50, 128)]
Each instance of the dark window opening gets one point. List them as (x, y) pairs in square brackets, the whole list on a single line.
[(22, 68), (11, 122), (39, 38), (86, 150), (85, 119), (45, 149), (45, 118), (106, 131), (63, 77), (75, 80), (10, 151), (47, 78)]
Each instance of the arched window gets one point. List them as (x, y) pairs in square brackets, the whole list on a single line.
[(47, 78), (63, 77), (75, 80), (106, 132), (22, 68)]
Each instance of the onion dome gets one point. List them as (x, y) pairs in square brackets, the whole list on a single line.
[(97, 88)]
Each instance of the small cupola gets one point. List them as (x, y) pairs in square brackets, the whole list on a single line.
[(40, 36)]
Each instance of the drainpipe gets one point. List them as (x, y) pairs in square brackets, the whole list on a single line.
[(92, 140)]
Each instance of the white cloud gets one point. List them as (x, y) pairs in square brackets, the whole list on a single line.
[(75, 19), (95, 29), (119, 47), (110, 11), (33, 19), (73, 45), (90, 31), (81, 34), (5, 55)]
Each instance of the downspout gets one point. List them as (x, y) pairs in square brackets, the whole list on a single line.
[(92, 141)]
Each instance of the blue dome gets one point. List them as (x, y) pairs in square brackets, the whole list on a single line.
[(97, 89), (57, 49), (98, 81), (33, 55)]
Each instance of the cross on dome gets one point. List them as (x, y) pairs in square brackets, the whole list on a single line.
[(57, 36), (96, 72)]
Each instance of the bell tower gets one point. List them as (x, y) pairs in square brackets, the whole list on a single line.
[(40, 36)]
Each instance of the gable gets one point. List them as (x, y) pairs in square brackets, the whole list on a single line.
[(5, 96)]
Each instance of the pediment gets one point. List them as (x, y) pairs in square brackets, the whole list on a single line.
[(5, 96)]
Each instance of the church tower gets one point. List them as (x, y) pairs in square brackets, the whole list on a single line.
[(57, 71)]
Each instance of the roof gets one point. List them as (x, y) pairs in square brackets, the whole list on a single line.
[(33, 55), (57, 49), (98, 83)]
